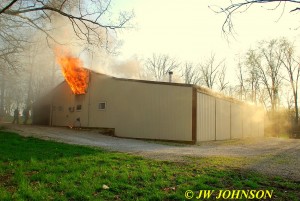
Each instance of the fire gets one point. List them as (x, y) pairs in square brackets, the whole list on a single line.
[(75, 74)]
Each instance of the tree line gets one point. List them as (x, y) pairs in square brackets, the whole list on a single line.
[(267, 74)]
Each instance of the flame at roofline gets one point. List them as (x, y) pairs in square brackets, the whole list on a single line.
[(76, 75)]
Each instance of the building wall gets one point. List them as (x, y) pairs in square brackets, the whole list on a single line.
[(135, 109), (64, 103), (149, 110), (236, 121), (206, 117), (248, 125), (221, 119)]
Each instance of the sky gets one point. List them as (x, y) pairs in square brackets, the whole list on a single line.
[(191, 31)]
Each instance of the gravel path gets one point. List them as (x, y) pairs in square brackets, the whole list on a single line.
[(271, 156)]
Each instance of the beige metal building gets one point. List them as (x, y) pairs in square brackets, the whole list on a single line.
[(151, 110)]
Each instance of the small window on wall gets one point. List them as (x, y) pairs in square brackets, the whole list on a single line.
[(78, 107), (71, 109), (102, 106)]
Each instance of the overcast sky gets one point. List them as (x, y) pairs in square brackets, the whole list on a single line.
[(190, 31)]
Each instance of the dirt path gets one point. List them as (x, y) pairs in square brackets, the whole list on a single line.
[(271, 156)]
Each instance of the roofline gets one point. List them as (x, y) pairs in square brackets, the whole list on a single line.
[(210, 92), (155, 82), (145, 81), (200, 89)]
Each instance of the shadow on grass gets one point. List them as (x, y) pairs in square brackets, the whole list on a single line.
[(14, 147)]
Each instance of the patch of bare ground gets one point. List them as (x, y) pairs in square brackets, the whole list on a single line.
[(5, 179), (271, 156)]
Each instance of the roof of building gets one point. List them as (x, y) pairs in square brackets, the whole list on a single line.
[(200, 89)]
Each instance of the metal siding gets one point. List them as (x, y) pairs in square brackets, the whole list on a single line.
[(222, 119), (247, 122), (134, 109), (142, 110), (205, 117), (236, 118), (156, 111), (64, 98)]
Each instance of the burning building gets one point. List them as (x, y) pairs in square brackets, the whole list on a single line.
[(146, 109)]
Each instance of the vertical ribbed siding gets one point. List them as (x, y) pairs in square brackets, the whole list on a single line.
[(247, 122), (205, 117), (142, 110), (154, 111), (219, 119), (236, 121), (222, 120)]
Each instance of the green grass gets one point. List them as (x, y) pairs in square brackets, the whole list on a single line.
[(33, 169)]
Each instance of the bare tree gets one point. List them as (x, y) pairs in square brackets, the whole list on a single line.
[(221, 79), (270, 74), (89, 19), (39, 70), (9, 63), (240, 6), (290, 105), (253, 64), (266, 62), (191, 73), (241, 79), (158, 66), (209, 71), (292, 66)]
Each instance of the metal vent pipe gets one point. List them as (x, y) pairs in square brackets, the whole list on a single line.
[(170, 76)]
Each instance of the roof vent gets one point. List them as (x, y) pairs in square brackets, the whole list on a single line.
[(170, 76)]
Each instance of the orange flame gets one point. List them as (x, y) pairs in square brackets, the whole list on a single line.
[(75, 74)]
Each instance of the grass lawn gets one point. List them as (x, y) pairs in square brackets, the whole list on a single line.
[(33, 169)]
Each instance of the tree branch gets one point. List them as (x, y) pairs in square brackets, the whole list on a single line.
[(231, 9), (43, 8), (8, 6), (86, 19)]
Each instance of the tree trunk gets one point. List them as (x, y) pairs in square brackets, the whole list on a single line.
[(296, 110), (2, 113), (29, 95), (296, 127)]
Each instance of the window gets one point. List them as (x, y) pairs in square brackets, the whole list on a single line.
[(78, 107), (102, 106), (71, 109)]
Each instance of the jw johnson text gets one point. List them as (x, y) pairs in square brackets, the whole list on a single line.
[(229, 194)]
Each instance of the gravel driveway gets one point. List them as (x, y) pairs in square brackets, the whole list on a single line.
[(271, 156)]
